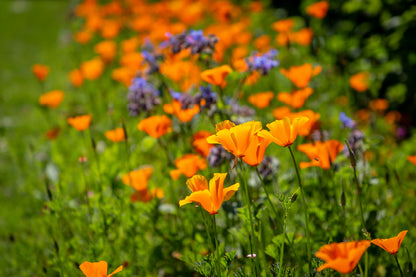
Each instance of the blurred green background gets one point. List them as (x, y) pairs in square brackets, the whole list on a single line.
[(31, 32)]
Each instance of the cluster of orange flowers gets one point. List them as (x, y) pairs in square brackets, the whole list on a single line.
[(344, 257), (247, 141), (138, 180)]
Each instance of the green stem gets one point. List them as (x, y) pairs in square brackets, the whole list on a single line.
[(305, 210), (359, 197), (217, 250), (267, 193), (361, 270), (164, 146), (204, 219), (248, 203), (398, 265), (283, 245)]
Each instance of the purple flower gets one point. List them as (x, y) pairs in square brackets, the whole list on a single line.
[(268, 167), (209, 97), (356, 142), (151, 59), (142, 96), (218, 155), (200, 43), (186, 99), (401, 132), (175, 42), (262, 63), (239, 110), (346, 121), (195, 40)]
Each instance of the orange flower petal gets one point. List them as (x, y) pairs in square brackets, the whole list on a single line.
[(391, 245), (94, 269)]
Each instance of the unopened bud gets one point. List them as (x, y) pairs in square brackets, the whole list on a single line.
[(125, 130), (94, 145), (294, 197), (352, 155), (342, 198)]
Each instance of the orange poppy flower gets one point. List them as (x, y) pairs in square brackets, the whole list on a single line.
[(115, 135), (83, 36), (256, 149), (156, 126), (318, 9), (130, 45), (255, 6), (200, 143), (216, 76), (76, 77), (284, 132), (393, 116), (106, 49), (132, 60), (297, 98), (359, 81), (188, 165), (81, 122), (412, 159), (252, 78), (93, 22), (322, 154), (363, 115), (211, 196), (191, 13), (219, 52), (391, 245), (343, 256), (262, 43), (226, 124), (110, 29), (302, 74), (185, 115), (281, 112), (41, 71), (236, 139), (283, 26), (302, 37), (97, 269), (379, 105), (261, 100), (138, 179), (146, 195), (186, 73), (123, 75), (282, 39), (239, 53), (52, 99), (142, 23), (309, 126), (92, 69)]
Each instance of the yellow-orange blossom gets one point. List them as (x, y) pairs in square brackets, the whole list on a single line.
[(211, 196)]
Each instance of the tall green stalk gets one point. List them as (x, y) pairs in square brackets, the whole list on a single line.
[(217, 250), (248, 203), (305, 210), (368, 236), (282, 250), (267, 193), (398, 265)]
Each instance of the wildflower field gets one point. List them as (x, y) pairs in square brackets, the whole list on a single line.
[(208, 138)]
